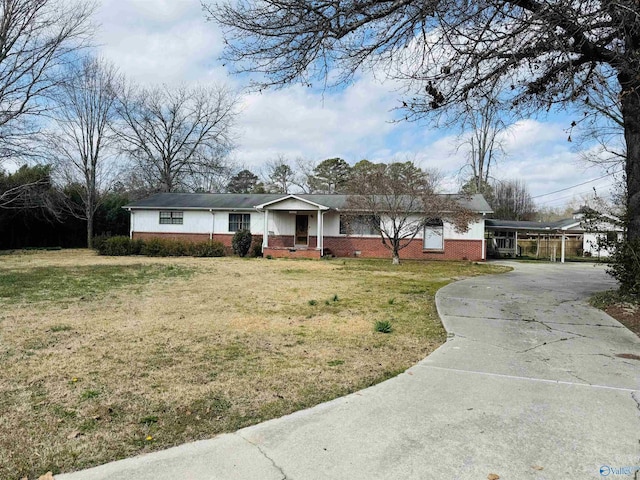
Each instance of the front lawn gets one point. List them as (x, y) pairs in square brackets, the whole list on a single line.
[(103, 358)]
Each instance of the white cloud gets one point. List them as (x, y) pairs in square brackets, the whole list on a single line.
[(160, 41), (169, 41), (352, 124)]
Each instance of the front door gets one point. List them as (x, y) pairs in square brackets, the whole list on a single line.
[(302, 230)]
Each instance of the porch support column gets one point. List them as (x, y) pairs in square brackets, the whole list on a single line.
[(265, 230), (320, 233), (131, 217), (562, 249), (515, 246)]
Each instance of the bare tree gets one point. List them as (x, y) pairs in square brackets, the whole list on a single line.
[(601, 122), (210, 177), (546, 53), (512, 201), (483, 124), (80, 139), (37, 38), (173, 135), (398, 201), (279, 176)]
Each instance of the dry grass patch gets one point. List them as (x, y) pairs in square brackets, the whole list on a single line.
[(164, 351)]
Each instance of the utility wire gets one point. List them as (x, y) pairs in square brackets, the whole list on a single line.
[(578, 185), (582, 192)]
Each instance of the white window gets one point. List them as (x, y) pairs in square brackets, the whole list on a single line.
[(434, 236), (171, 218), (239, 221)]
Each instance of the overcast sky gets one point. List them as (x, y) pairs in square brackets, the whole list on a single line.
[(170, 41)]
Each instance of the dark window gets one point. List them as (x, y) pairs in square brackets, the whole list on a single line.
[(171, 218), (239, 221), (612, 236), (359, 225)]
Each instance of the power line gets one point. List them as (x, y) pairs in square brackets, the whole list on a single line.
[(574, 194), (578, 185)]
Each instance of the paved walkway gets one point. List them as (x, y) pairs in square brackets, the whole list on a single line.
[(529, 385)]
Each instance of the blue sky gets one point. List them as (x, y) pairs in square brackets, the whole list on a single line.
[(169, 41)]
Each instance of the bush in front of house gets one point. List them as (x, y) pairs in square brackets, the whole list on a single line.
[(98, 243), (207, 249), (157, 247), (256, 250), (241, 242), (117, 246)]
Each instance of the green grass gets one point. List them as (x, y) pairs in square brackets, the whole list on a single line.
[(383, 326), (61, 284)]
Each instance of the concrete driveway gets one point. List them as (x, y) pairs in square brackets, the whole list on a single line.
[(529, 385)]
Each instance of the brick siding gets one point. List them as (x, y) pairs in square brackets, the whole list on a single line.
[(291, 253), (373, 248)]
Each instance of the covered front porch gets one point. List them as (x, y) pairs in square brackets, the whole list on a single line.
[(293, 227)]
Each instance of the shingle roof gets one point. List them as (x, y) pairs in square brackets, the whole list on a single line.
[(240, 201)]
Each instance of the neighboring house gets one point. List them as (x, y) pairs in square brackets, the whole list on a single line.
[(601, 231), (580, 235), (307, 226)]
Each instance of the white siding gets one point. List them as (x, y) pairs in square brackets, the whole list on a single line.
[(280, 223), (193, 222), (475, 232), (291, 204), (331, 224)]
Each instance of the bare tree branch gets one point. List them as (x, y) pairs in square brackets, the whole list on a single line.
[(80, 140), (545, 53), (173, 135), (37, 38)]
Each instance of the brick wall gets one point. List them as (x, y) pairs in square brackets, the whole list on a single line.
[(373, 248), (290, 253)]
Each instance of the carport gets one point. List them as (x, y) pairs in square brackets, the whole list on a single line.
[(503, 234)]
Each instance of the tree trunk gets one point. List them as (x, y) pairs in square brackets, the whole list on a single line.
[(90, 229), (396, 256), (630, 100), (89, 211)]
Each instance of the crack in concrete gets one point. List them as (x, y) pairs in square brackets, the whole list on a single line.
[(570, 372), (533, 320), (552, 329), (544, 344), (636, 398), (535, 379), (453, 335), (264, 454), (586, 324)]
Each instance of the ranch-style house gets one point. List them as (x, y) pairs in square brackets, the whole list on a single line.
[(306, 226)]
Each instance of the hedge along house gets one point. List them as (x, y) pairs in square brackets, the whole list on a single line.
[(306, 226)]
